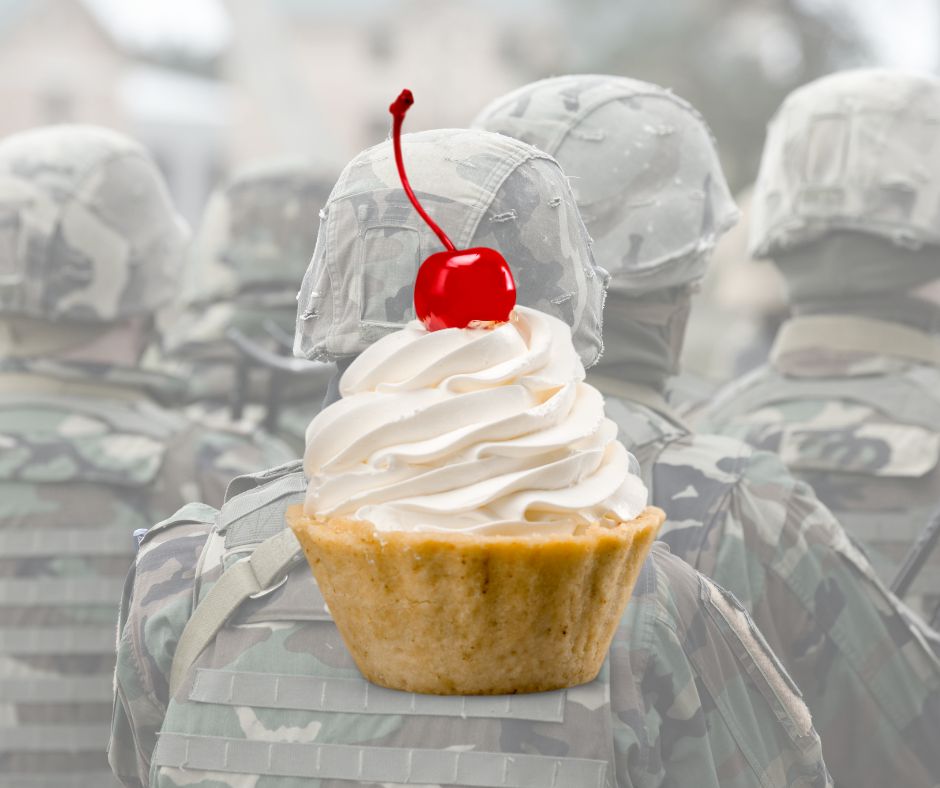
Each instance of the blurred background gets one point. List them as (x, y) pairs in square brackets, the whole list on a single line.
[(211, 85)]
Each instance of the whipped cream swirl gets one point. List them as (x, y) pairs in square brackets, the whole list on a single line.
[(479, 429)]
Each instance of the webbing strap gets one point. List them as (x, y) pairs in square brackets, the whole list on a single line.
[(855, 334), (59, 780), (358, 696), (376, 764), (268, 563), (249, 481), (57, 689), (37, 542), (25, 641), (189, 513), (888, 395), (249, 502), (55, 738), (61, 591), (643, 395)]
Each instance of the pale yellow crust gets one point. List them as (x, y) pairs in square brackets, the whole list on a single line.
[(466, 614)]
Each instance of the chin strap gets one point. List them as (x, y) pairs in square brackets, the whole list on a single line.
[(262, 571), (280, 368)]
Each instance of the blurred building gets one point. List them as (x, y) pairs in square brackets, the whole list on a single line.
[(315, 77), (212, 84), (78, 61)]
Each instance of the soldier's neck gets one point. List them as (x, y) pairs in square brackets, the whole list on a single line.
[(638, 393), (902, 308)]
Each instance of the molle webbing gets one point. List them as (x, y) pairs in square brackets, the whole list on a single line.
[(257, 529), (55, 738), (59, 780), (856, 334), (400, 737), (359, 696), (27, 641), (377, 764), (60, 592), (56, 689), (39, 542)]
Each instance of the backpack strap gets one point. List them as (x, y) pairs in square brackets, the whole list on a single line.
[(267, 565)]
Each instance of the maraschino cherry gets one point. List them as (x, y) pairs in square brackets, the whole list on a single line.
[(459, 286)]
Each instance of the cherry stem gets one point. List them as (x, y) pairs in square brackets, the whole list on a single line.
[(398, 108)]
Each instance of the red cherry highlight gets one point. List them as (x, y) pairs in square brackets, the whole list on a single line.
[(456, 287)]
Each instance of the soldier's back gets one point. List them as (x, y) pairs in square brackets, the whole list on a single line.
[(740, 518), (84, 465), (863, 431), (276, 699)]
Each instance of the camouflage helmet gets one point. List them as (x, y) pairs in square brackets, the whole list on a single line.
[(249, 254), (485, 190), (643, 168), (88, 232), (857, 150)]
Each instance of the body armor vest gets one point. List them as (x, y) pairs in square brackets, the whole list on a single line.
[(869, 446), (77, 477), (275, 696)]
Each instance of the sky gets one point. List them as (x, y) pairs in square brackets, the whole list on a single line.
[(905, 32)]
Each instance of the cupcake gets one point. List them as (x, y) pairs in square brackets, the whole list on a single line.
[(472, 521)]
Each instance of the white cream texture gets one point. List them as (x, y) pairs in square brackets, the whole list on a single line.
[(490, 430)]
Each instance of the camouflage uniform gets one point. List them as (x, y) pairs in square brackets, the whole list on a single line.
[(737, 515), (851, 396), (268, 695), (251, 250), (88, 241)]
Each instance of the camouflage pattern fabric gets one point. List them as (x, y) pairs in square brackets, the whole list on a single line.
[(86, 458), (870, 679), (863, 428), (738, 516), (643, 168), (243, 270), (484, 190), (690, 694), (87, 229), (849, 152)]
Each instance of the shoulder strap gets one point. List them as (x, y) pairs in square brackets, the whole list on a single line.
[(190, 513), (269, 562), (891, 395), (856, 334), (249, 481)]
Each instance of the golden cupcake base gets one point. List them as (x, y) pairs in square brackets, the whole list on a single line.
[(467, 614)]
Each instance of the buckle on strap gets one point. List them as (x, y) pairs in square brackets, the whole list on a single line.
[(258, 573)]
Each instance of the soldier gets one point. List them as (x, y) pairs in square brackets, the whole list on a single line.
[(652, 194), (89, 248), (851, 396), (251, 250), (230, 670)]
